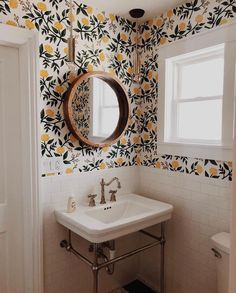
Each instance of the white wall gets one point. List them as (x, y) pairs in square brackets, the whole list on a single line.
[(64, 272), (201, 208)]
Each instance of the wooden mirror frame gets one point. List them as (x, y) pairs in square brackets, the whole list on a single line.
[(123, 102)]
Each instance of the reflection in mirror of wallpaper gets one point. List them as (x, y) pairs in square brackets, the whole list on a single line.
[(106, 42), (82, 109)]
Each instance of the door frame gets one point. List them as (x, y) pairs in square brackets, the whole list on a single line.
[(27, 43)]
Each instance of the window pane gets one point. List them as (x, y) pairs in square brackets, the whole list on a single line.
[(102, 90), (202, 79), (200, 120), (109, 119), (110, 98)]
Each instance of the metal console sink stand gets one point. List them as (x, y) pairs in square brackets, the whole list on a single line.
[(95, 267)]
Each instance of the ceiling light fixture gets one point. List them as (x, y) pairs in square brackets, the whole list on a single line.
[(137, 13)]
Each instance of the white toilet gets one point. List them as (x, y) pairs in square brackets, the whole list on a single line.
[(221, 249)]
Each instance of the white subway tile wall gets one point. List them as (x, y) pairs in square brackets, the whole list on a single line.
[(202, 207), (63, 272)]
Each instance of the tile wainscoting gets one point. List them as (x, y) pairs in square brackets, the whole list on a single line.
[(63, 272), (202, 207)]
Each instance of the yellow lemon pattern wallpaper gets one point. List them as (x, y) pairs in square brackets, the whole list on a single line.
[(105, 41), (185, 20)]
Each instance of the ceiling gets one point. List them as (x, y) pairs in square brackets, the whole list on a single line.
[(122, 7)]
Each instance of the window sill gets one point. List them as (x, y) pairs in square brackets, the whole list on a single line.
[(203, 151)]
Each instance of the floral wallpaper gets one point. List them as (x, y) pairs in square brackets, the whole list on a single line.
[(82, 108), (187, 19), (104, 42)]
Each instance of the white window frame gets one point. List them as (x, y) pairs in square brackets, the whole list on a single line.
[(223, 151), (173, 97)]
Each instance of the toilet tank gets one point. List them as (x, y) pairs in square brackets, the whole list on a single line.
[(221, 249)]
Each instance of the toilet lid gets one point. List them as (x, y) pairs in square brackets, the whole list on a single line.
[(222, 241)]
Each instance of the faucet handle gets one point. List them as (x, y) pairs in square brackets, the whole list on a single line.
[(92, 200), (113, 195)]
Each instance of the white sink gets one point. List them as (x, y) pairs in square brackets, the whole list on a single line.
[(129, 214), (120, 210)]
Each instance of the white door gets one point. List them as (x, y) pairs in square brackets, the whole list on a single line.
[(11, 197)]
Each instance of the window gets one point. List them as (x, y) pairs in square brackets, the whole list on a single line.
[(194, 111), (196, 95)]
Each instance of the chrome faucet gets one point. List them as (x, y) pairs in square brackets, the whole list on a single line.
[(103, 184)]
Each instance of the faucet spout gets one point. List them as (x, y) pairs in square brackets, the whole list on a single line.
[(112, 180), (103, 184)]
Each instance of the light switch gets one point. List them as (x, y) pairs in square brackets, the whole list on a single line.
[(52, 165)]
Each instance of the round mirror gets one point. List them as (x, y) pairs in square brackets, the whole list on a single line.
[(96, 109)]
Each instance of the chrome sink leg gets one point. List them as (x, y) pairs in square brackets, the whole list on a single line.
[(162, 271), (95, 269)]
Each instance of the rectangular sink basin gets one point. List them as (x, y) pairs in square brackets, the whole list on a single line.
[(115, 212), (130, 213)]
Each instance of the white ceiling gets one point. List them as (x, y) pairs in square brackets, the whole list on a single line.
[(122, 7)]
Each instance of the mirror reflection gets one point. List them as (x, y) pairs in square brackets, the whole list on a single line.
[(95, 109)]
